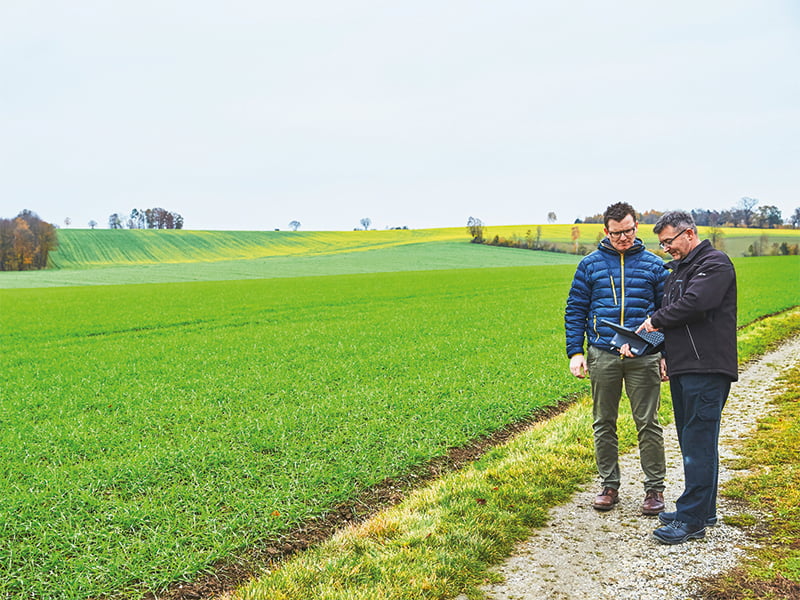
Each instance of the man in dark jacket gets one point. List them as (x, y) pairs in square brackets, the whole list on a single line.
[(698, 318), (623, 283)]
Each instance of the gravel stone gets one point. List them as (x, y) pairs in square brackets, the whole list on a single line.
[(583, 553)]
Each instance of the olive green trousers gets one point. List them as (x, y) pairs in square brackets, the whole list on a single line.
[(642, 378)]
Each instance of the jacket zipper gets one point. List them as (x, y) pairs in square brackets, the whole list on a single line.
[(691, 339), (622, 289)]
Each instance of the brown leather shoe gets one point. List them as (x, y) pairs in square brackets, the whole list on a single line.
[(606, 499), (653, 503)]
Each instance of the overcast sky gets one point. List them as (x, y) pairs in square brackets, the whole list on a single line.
[(248, 114)]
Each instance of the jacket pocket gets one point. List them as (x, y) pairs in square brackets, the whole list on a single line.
[(709, 407)]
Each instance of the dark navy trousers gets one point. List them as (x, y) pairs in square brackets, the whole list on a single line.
[(698, 400)]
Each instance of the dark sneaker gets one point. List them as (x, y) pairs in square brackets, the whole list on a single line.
[(678, 532), (668, 517), (606, 499), (653, 503)]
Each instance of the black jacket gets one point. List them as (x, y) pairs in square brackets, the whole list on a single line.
[(698, 314)]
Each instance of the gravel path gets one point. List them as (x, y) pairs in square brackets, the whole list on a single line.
[(584, 553)]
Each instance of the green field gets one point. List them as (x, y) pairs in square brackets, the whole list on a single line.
[(417, 257), (150, 430)]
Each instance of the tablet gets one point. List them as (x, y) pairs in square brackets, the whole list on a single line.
[(640, 343)]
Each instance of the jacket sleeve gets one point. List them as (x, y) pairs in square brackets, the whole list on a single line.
[(577, 311), (703, 292), (661, 277)]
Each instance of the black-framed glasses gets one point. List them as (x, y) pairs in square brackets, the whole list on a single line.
[(666, 243), (626, 232)]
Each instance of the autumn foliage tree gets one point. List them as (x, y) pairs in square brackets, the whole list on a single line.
[(25, 242)]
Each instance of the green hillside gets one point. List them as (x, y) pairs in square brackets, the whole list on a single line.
[(88, 257), (417, 257), (107, 247)]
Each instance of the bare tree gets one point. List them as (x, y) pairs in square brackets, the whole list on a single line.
[(154, 218), (716, 238), (551, 217), (767, 217), (136, 220), (366, 222), (475, 227), (67, 222), (294, 225), (746, 209)]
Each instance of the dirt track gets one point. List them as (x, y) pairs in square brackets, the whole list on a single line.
[(583, 553)]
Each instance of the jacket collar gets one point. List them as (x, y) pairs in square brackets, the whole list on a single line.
[(689, 258), (605, 246)]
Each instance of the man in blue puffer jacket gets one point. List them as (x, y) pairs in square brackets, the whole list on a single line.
[(623, 283)]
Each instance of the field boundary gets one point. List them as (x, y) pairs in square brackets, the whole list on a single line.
[(225, 576)]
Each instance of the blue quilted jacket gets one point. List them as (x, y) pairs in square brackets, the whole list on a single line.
[(625, 288)]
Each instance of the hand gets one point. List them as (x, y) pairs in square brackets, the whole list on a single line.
[(625, 350), (578, 367), (647, 326), (664, 376)]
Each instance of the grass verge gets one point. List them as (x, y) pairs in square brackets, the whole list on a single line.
[(444, 538), (441, 540)]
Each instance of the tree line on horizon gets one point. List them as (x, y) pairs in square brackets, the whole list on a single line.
[(148, 218), (744, 214)]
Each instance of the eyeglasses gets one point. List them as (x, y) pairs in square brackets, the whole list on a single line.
[(626, 232), (666, 243)]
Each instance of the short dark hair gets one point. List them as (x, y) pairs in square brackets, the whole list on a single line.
[(617, 212), (678, 219)]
